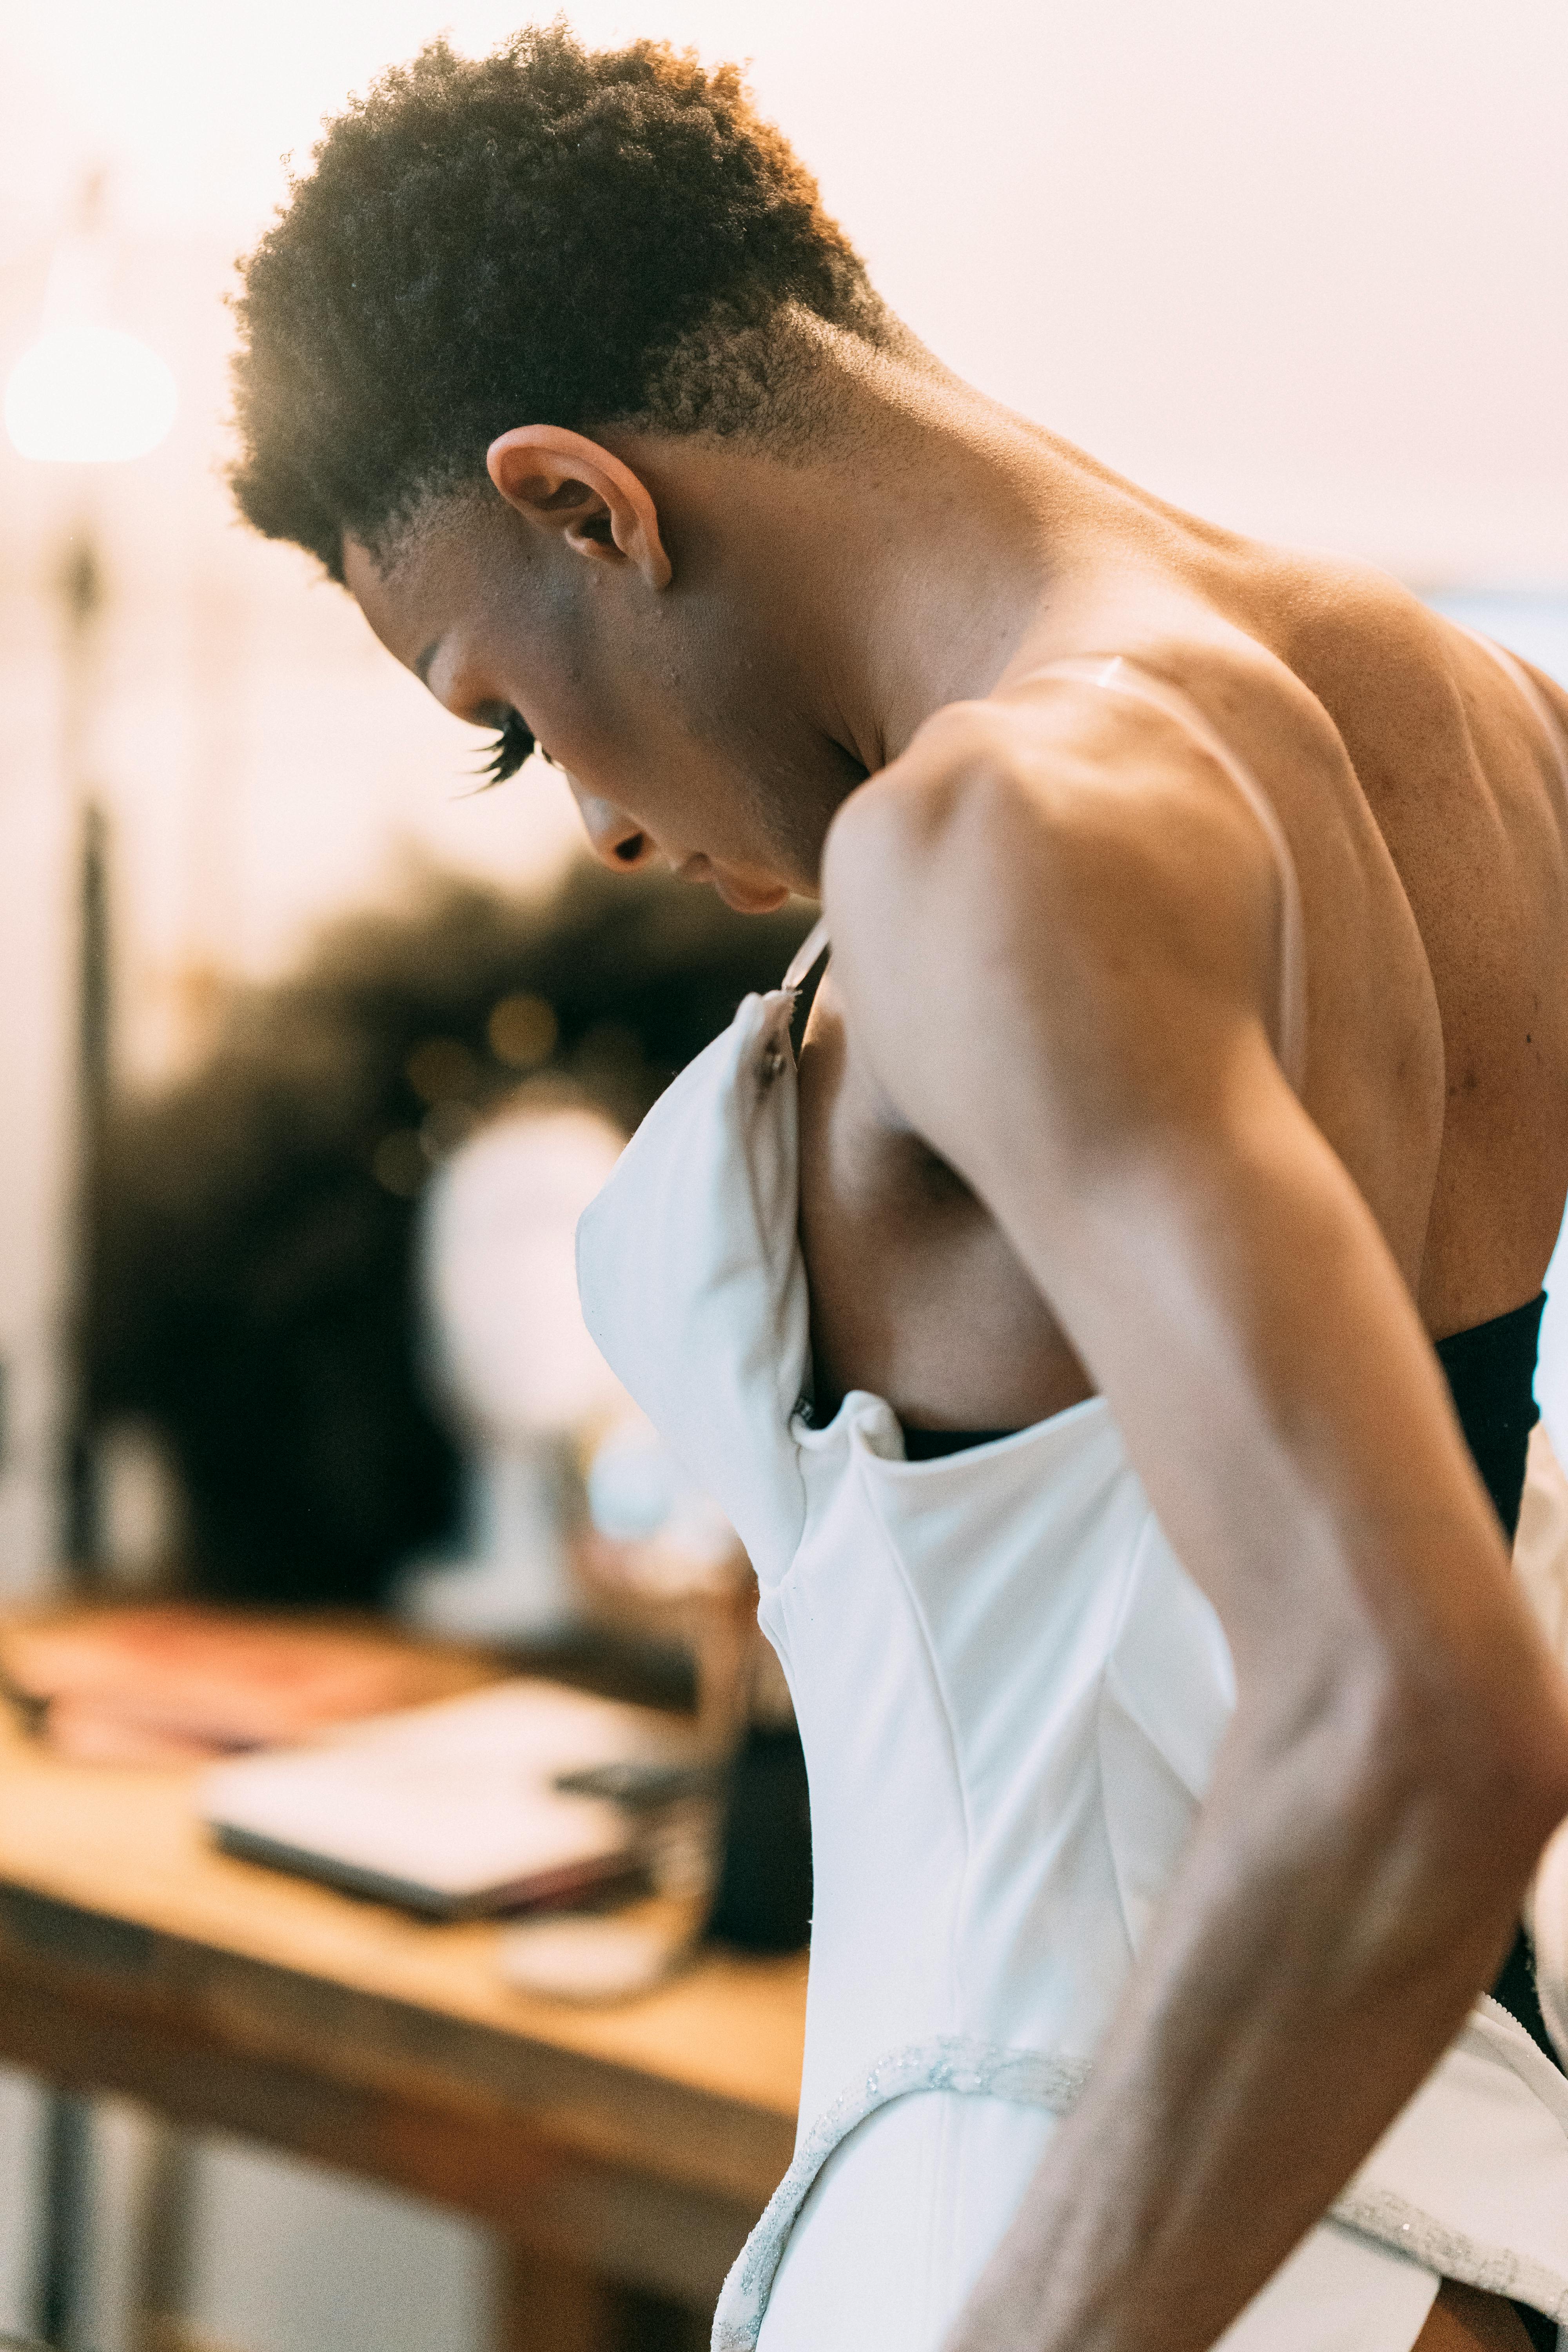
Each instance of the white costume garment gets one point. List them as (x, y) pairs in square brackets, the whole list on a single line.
[(1011, 1695)]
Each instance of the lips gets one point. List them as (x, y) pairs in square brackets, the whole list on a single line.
[(742, 899), (763, 901)]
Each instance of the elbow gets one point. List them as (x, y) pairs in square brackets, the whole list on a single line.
[(1441, 1760), (1421, 1816)]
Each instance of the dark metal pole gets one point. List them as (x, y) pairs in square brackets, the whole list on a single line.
[(66, 2186), (67, 2190), (81, 584)]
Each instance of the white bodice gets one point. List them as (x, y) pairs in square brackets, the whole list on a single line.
[(1010, 1695)]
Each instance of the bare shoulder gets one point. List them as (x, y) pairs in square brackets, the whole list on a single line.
[(1088, 852), (1407, 690), (1081, 813), (1059, 880), (1077, 772), (1078, 863)]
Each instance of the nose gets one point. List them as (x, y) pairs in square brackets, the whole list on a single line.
[(616, 840)]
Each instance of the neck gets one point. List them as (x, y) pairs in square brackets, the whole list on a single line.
[(898, 566)]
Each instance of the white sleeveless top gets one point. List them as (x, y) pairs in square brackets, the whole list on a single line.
[(1010, 1694)]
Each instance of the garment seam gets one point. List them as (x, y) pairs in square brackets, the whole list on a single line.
[(960, 1909), (1101, 1700), (939, 2256)]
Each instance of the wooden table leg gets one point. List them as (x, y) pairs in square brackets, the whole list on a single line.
[(546, 2304)]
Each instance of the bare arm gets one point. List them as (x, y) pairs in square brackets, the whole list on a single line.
[(1064, 988)]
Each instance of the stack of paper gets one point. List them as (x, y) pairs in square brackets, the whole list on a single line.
[(451, 1810)]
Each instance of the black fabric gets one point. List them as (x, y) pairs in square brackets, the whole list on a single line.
[(762, 1900), (929, 1444), (1491, 1378), (1491, 1372), (1541, 2331)]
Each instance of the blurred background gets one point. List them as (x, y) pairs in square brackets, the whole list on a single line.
[(266, 958)]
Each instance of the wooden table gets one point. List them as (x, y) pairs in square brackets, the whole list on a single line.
[(622, 2149)]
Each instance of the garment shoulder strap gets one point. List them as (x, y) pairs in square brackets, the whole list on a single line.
[(1514, 669), (1117, 675), (810, 952)]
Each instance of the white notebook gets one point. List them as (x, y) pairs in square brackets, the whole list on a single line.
[(450, 1809)]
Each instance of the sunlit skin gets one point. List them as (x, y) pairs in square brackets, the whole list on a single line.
[(1045, 1149)]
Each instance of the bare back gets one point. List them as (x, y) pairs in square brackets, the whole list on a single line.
[(1425, 805)]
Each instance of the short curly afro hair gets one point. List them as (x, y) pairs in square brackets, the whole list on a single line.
[(545, 234)]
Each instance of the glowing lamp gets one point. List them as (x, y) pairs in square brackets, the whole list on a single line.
[(89, 394)]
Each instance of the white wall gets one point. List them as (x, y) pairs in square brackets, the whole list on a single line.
[(294, 2259), (20, 2125), (1299, 263), (282, 2255)]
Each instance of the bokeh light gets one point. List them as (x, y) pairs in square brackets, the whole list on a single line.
[(89, 394)]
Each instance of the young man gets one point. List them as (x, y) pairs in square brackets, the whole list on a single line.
[(1193, 1055)]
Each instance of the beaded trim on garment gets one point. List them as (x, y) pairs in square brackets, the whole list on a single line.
[(991, 2070)]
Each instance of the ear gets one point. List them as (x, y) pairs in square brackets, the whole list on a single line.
[(562, 482)]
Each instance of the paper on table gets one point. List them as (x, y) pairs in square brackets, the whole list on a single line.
[(170, 1682), (450, 1809)]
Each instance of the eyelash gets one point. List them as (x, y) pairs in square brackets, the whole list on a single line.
[(514, 744)]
